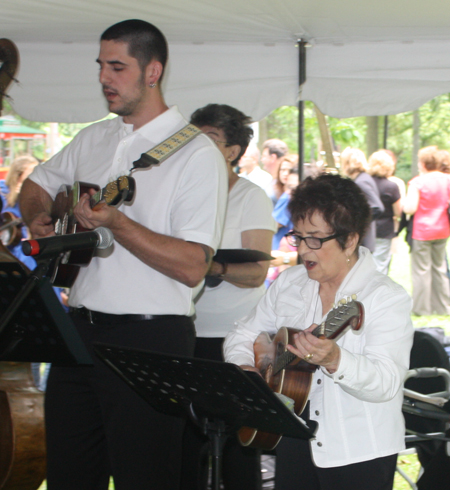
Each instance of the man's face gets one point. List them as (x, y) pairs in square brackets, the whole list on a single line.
[(122, 79), (269, 161)]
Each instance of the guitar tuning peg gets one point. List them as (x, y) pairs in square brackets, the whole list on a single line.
[(354, 297), (343, 301), (333, 306)]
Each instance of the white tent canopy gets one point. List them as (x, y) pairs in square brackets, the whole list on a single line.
[(365, 57)]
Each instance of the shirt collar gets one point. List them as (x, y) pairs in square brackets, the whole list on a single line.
[(160, 128)]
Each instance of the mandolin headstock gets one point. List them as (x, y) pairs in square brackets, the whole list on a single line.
[(348, 314)]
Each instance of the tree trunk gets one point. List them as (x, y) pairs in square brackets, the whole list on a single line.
[(372, 135), (416, 143), (263, 132), (326, 137)]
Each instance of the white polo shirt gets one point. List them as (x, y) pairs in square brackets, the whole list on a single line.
[(249, 208), (184, 197)]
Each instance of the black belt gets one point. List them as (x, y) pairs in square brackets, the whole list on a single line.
[(99, 317)]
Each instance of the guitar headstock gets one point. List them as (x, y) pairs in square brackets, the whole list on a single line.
[(118, 191), (347, 314)]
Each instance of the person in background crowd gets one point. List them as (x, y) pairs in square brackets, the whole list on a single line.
[(354, 165), (393, 178), (380, 167), (250, 169), (356, 391), (402, 188), (443, 158), (235, 291), (281, 212), (272, 154), (282, 216), (428, 199), (139, 292), (288, 163)]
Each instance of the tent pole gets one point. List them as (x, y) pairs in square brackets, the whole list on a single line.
[(301, 120)]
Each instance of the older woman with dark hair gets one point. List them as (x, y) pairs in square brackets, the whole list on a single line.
[(356, 391), (231, 290)]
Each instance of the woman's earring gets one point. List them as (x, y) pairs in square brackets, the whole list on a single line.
[(152, 85)]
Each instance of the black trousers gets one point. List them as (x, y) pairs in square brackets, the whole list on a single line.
[(98, 426), (295, 470), (241, 466)]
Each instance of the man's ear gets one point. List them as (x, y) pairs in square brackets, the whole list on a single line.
[(153, 72)]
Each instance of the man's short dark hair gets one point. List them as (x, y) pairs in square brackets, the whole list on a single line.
[(145, 41), (277, 147), (234, 123)]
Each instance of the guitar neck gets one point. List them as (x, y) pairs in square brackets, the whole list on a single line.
[(283, 361), (96, 198)]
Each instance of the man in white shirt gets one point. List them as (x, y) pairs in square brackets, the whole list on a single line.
[(251, 170), (139, 294), (274, 151)]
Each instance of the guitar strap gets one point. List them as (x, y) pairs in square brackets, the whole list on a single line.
[(167, 148)]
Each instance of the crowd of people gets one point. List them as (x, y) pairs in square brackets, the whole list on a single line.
[(159, 287)]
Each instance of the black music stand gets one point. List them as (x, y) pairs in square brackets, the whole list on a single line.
[(33, 324), (218, 396)]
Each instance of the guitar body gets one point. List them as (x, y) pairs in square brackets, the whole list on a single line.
[(65, 268), (289, 375), (294, 381)]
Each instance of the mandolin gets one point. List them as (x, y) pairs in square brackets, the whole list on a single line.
[(64, 269), (289, 375)]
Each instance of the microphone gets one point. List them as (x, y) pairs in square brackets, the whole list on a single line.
[(54, 245)]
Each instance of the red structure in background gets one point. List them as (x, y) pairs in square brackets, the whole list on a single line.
[(10, 130)]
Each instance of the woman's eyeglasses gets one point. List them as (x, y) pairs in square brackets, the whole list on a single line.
[(312, 242)]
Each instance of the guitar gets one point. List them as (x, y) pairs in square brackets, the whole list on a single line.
[(64, 269), (290, 375)]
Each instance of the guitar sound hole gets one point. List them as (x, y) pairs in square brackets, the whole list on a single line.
[(280, 348)]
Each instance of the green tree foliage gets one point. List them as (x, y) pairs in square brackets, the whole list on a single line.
[(434, 130)]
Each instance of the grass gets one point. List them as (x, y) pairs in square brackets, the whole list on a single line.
[(399, 272)]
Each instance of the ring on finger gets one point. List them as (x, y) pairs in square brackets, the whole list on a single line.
[(308, 357)]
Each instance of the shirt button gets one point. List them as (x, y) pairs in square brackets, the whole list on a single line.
[(341, 376), (319, 444), (319, 381), (317, 412)]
